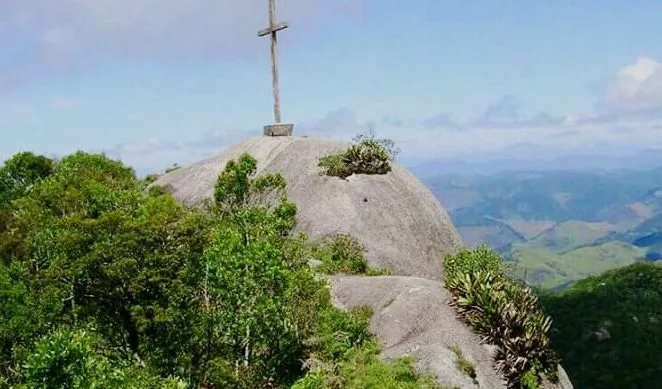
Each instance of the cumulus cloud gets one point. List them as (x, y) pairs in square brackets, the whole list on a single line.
[(500, 130), (420, 142), (63, 34), (636, 88), (504, 113)]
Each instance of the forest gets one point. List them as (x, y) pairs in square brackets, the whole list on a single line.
[(107, 282)]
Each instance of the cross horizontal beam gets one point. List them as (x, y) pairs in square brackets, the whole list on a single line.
[(272, 29)]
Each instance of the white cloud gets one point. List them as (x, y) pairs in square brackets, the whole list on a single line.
[(636, 88), (172, 28), (629, 117), (63, 34), (500, 129), (418, 141)]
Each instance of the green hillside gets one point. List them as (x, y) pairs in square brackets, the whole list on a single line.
[(607, 329), (559, 227), (548, 269), (569, 235)]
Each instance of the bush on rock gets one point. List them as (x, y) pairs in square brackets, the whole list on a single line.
[(505, 313), (366, 155)]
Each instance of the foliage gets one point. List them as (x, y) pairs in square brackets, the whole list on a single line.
[(107, 284), (236, 190), (343, 253), (363, 369), (504, 312), (17, 176), (74, 359), (19, 173), (346, 356), (607, 328), (98, 250), (462, 363), (250, 287), (366, 155)]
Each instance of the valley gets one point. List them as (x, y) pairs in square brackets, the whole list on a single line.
[(557, 227)]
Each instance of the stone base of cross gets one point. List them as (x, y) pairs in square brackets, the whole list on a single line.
[(279, 129)]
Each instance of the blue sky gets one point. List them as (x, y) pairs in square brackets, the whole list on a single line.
[(156, 82)]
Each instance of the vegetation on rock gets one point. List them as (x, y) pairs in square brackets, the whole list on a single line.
[(106, 284), (366, 155), (462, 363), (347, 357), (343, 253), (505, 313)]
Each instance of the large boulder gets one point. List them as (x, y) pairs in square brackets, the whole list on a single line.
[(404, 229), (412, 317), (395, 216)]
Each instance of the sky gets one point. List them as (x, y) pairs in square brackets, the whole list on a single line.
[(157, 82)]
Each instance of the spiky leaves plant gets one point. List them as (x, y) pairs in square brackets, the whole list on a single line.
[(504, 313)]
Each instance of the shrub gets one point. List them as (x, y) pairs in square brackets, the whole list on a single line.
[(504, 312), (345, 355), (367, 155), (75, 359), (343, 253)]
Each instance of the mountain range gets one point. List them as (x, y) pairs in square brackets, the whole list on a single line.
[(558, 226)]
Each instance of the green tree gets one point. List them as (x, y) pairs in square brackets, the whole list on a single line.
[(254, 282), (17, 176), (99, 250), (20, 172), (607, 328), (112, 284), (77, 359)]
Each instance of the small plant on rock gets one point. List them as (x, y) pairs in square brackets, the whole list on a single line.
[(462, 363), (343, 253), (505, 313), (366, 155)]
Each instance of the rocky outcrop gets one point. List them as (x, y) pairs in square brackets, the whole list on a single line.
[(404, 229), (395, 216)]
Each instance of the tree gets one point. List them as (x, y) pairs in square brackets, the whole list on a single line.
[(20, 172), (112, 284), (98, 250), (251, 284)]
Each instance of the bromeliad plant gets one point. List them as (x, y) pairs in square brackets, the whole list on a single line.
[(366, 155), (505, 313)]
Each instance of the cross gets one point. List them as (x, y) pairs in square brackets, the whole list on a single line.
[(272, 30)]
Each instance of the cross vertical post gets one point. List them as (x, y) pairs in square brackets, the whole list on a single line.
[(272, 30)]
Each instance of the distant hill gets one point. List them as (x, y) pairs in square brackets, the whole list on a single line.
[(607, 329), (558, 226)]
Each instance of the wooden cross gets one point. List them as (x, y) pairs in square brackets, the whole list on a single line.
[(272, 30)]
